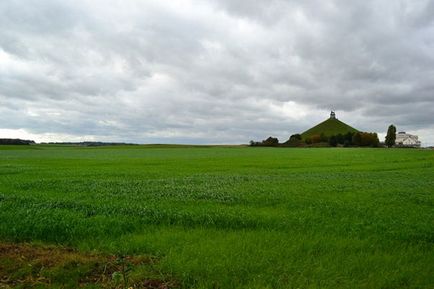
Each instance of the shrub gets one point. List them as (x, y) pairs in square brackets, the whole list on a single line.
[(333, 141), (293, 141), (365, 139), (271, 141), (316, 138)]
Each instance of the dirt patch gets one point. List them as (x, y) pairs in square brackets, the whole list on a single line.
[(29, 266)]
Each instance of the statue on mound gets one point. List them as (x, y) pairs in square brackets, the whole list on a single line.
[(332, 114)]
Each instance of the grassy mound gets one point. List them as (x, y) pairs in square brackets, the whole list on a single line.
[(329, 127)]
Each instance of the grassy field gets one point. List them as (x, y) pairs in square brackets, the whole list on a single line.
[(231, 217)]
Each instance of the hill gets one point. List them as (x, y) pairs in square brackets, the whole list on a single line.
[(329, 127)]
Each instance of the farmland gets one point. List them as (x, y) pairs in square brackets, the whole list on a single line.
[(231, 217)]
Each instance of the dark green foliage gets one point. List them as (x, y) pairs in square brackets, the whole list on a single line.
[(355, 139), (269, 142), (391, 136), (365, 139), (15, 141), (333, 141), (340, 138), (323, 137), (295, 137), (294, 141)]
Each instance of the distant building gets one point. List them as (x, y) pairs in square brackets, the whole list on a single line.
[(407, 140)]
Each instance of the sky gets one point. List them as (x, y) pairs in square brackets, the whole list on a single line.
[(213, 71)]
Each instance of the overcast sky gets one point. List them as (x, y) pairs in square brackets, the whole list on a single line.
[(213, 71)]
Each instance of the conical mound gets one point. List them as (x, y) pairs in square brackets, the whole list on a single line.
[(329, 127)]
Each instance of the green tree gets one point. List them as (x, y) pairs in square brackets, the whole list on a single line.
[(357, 139), (333, 141), (391, 136), (323, 137), (271, 141), (295, 137), (294, 141)]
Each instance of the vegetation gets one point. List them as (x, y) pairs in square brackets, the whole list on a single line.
[(15, 141), (350, 139), (329, 127), (391, 136), (226, 217), (331, 132), (269, 142), (340, 139), (364, 139), (294, 140), (29, 266)]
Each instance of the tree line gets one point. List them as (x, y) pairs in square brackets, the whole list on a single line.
[(350, 139), (15, 141)]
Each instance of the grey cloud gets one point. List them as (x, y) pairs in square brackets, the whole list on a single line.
[(214, 71)]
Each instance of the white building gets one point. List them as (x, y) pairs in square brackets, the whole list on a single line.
[(406, 139)]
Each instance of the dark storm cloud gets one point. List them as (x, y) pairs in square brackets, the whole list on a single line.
[(213, 71)]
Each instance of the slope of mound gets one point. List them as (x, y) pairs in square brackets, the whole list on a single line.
[(329, 127)]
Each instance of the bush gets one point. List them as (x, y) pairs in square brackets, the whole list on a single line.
[(365, 139), (293, 141), (333, 141), (271, 141), (323, 137), (316, 138)]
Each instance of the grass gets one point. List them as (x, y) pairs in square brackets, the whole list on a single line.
[(329, 127), (29, 266), (231, 217)]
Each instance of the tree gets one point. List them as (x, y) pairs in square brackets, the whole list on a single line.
[(348, 138), (375, 141), (294, 141), (316, 138), (340, 138), (323, 137), (271, 141), (333, 141), (357, 139), (369, 139), (295, 137), (391, 136)]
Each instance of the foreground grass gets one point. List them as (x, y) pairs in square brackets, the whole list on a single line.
[(232, 217), (30, 266)]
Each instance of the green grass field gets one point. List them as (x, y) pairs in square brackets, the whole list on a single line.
[(232, 217)]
